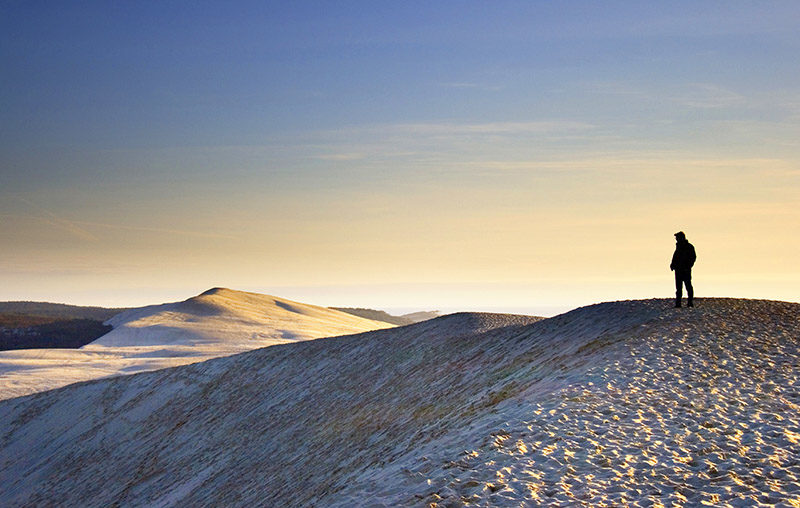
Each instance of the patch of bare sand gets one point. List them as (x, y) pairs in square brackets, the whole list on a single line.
[(701, 408)]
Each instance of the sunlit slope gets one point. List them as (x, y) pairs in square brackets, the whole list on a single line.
[(219, 322), (226, 316), (617, 403)]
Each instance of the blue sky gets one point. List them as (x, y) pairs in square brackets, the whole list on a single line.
[(141, 74), (153, 149)]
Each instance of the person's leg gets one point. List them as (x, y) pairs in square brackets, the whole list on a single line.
[(678, 288), (689, 289)]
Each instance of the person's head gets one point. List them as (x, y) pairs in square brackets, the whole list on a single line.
[(680, 236)]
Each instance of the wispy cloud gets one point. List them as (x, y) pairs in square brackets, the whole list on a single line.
[(471, 85), (617, 88), (693, 95), (59, 222), (78, 228), (182, 232), (707, 96), (341, 156), (434, 142), (468, 128), (636, 162)]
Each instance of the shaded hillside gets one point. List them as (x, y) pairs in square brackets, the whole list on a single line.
[(418, 317), (623, 403), (377, 315)]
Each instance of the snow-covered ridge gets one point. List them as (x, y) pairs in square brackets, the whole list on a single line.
[(218, 322), (618, 403)]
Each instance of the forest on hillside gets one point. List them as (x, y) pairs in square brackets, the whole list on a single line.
[(34, 325)]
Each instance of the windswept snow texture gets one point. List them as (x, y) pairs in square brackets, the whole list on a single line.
[(625, 403), (219, 322)]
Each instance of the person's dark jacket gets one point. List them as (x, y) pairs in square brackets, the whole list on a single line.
[(684, 256)]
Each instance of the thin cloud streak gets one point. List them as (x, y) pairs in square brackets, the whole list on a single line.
[(61, 223), (637, 162), (473, 86), (708, 96), (182, 232), (692, 95), (75, 228), (340, 157), (458, 129)]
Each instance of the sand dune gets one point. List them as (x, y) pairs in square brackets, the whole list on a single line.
[(623, 403), (219, 322)]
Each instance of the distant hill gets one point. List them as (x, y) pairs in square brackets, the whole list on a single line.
[(231, 319), (418, 317), (376, 315), (36, 325), (57, 310), (379, 315), (218, 322)]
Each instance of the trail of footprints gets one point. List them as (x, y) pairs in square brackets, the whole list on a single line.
[(679, 419)]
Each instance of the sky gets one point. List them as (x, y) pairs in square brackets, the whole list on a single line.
[(526, 156)]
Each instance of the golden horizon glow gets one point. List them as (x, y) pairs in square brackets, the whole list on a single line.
[(500, 176)]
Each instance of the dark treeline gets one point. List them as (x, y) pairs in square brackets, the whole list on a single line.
[(72, 333), (57, 310)]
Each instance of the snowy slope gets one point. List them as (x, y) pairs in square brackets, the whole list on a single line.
[(219, 322), (623, 403)]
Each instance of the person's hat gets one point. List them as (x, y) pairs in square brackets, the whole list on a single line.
[(680, 234)]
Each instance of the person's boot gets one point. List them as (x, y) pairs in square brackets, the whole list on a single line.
[(677, 304), (690, 304)]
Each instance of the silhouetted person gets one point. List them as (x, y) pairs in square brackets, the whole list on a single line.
[(682, 262)]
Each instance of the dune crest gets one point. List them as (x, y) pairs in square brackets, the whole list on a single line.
[(618, 403)]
